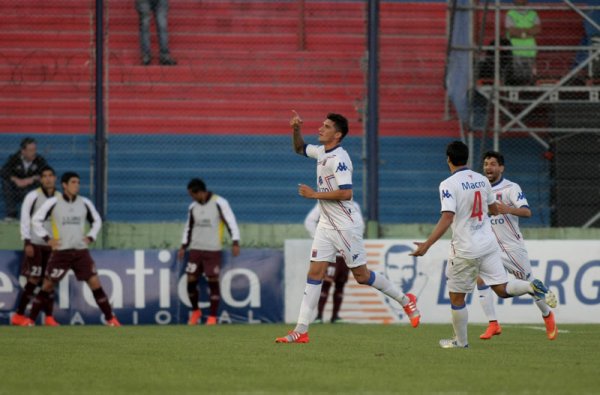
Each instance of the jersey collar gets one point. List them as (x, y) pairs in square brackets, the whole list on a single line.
[(461, 169), (333, 149), (498, 182)]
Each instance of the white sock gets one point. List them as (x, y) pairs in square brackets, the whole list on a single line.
[(544, 308), (486, 299), (380, 282), (518, 288), (312, 292), (460, 319)]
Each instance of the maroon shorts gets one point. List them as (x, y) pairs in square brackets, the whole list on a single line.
[(338, 271), (36, 265), (80, 261), (207, 262)]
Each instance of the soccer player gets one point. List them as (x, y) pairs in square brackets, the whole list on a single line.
[(466, 198), (512, 204), (337, 272), (37, 251), (338, 230), (69, 242), (202, 234)]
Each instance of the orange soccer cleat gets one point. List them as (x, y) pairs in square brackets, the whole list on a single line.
[(27, 322), (411, 310), (195, 317), (211, 320), (551, 329), (17, 319), (50, 321), (493, 329), (293, 337), (113, 322)]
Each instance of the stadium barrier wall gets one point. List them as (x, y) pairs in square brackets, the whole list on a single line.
[(149, 287), (570, 268)]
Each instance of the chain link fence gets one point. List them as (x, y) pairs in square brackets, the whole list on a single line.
[(535, 97), (210, 96)]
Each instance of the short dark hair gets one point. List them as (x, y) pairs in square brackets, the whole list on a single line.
[(494, 154), (47, 168), (340, 122), (66, 177), (458, 153), (196, 185), (26, 141)]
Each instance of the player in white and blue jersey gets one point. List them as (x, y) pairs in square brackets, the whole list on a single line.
[(338, 230), (466, 198), (512, 204)]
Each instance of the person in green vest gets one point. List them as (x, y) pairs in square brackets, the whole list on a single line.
[(522, 26)]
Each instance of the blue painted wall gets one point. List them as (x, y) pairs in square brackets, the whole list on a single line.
[(148, 174)]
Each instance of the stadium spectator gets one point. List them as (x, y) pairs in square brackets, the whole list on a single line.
[(202, 234), (512, 204), (69, 242), (339, 231), (522, 26), (337, 272), (160, 9), (466, 198), (36, 250), (21, 174)]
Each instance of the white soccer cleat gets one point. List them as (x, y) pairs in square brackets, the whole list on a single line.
[(451, 343)]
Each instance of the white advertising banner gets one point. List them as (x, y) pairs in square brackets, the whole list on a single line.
[(571, 269)]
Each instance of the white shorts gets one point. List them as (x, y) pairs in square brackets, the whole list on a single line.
[(348, 243), (462, 272), (517, 263)]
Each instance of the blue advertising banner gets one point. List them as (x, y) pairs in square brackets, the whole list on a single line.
[(149, 287)]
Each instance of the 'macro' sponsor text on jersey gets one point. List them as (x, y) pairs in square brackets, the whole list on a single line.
[(467, 194), (334, 172)]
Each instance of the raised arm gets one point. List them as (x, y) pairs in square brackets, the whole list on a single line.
[(297, 140)]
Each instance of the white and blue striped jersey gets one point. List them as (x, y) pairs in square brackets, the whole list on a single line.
[(506, 226), (467, 194), (334, 172)]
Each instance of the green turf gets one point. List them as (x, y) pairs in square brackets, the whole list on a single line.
[(341, 358)]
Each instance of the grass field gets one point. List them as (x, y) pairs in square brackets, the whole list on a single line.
[(340, 358)]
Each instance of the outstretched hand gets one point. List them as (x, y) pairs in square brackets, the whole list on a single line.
[(421, 249), (296, 121), (306, 191)]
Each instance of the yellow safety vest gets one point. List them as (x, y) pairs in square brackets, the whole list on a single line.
[(523, 21)]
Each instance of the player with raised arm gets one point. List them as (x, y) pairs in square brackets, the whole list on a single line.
[(512, 204), (37, 251), (466, 198), (69, 242), (338, 230)]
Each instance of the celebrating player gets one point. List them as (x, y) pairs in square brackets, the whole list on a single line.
[(466, 198), (512, 204), (338, 229)]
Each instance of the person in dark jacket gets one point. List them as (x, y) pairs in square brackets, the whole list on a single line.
[(21, 174)]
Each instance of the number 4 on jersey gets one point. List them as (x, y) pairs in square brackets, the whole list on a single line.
[(477, 210)]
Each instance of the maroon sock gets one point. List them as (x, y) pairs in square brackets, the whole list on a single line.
[(26, 297), (38, 303), (215, 297), (338, 297), (323, 298), (49, 308), (192, 290), (102, 302)]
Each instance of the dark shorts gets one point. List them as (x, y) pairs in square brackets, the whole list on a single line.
[(36, 265), (207, 262), (80, 261), (338, 271)]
